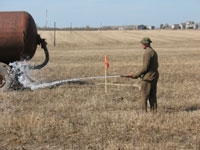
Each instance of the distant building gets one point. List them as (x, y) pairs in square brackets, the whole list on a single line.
[(191, 25), (141, 27), (175, 26), (151, 27), (196, 26), (121, 28), (131, 27), (182, 25), (164, 26)]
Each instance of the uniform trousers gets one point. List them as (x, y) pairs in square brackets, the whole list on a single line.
[(148, 92)]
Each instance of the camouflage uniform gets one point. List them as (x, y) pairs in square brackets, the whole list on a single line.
[(150, 75)]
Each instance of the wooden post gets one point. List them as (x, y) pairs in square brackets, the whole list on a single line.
[(106, 79), (106, 72)]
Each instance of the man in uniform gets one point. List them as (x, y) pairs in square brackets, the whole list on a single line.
[(149, 74)]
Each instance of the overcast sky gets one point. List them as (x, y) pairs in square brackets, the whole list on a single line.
[(106, 12)]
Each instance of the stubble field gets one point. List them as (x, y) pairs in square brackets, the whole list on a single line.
[(80, 115)]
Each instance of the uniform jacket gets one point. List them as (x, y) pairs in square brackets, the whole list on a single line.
[(149, 70)]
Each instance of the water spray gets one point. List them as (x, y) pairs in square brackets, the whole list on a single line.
[(34, 86), (23, 71)]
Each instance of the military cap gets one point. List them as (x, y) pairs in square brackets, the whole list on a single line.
[(146, 40)]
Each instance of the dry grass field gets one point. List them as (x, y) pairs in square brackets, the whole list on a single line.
[(80, 116)]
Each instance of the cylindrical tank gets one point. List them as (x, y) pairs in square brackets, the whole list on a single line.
[(18, 36)]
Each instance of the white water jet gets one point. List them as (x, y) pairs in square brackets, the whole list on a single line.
[(23, 71)]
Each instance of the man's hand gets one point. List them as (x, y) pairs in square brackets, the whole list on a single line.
[(129, 76), (134, 77)]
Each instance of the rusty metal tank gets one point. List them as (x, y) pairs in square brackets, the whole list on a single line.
[(18, 36)]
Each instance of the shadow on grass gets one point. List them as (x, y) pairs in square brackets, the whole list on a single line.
[(191, 108)]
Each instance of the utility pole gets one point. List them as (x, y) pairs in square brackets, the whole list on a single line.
[(54, 33), (70, 27), (46, 18)]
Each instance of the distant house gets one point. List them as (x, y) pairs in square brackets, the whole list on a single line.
[(191, 25), (151, 27), (164, 26), (196, 26), (121, 28), (131, 27), (175, 26), (182, 25), (141, 27)]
